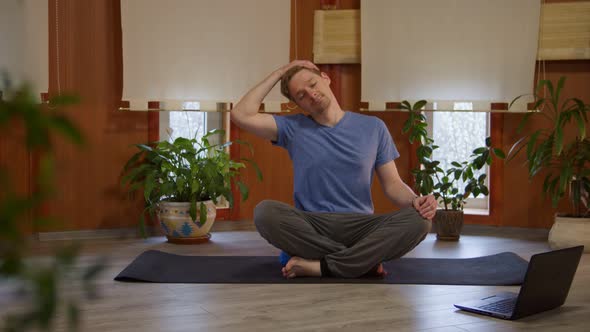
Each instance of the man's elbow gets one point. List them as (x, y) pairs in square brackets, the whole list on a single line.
[(237, 117), (243, 120)]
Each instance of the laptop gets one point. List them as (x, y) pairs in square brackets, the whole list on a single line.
[(546, 283)]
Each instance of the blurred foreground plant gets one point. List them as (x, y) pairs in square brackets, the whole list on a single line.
[(38, 282)]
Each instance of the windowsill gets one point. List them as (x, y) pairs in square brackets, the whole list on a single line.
[(450, 110), (477, 212)]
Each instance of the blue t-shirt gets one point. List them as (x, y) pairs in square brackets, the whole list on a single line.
[(333, 166)]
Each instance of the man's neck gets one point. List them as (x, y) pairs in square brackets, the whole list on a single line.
[(329, 117)]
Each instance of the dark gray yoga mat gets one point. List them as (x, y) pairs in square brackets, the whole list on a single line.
[(156, 266)]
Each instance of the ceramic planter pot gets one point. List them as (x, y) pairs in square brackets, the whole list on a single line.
[(448, 225), (179, 227)]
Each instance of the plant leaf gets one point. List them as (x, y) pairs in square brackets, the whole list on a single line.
[(244, 191), (64, 126), (144, 147), (203, 214), (480, 150), (499, 153), (255, 166), (250, 147), (192, 211), (558, 141), (419, 105)]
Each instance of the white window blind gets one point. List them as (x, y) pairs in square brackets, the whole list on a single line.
[(24, 51), (448, 51), (200, 54)]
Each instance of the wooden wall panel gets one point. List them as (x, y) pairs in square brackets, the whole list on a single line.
[(90, 65), (16, 165)]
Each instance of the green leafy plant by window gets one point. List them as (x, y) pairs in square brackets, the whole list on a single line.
[(565, 158), (430, 178), (40, 285), (186, 170)]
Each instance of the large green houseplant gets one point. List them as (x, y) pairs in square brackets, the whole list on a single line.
[(444, 184), (182, 181), (562, 156)]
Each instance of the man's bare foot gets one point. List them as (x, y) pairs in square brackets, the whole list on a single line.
[(301, 267), (377, 271)]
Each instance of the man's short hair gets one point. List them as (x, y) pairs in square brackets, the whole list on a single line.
[(287, 76)]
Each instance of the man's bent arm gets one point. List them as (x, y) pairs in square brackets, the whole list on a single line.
[(394, 187), (403, 196), (245, 112)]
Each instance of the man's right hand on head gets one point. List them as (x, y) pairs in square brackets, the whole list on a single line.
[(303, 63)]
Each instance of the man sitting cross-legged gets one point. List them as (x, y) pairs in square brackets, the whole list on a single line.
[(332, 230)]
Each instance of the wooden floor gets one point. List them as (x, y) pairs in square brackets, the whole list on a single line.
[(324, 307)]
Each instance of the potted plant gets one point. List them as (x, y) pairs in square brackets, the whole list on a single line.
[(563, 158), (444, 184), (182, 181)]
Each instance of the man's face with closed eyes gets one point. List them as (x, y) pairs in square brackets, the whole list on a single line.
[(310, 91)]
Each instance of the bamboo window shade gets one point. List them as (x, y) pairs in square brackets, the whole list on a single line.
[(337, 36), (565, 31)]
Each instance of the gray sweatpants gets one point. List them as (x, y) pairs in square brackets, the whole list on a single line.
[(347, 244)]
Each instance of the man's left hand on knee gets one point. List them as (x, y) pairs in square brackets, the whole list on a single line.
[(426, 206)]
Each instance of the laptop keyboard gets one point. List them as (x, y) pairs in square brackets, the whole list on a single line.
[(503, 306)]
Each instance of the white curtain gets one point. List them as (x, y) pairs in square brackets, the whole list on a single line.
[(24, 53), (448, 51), (194, 54)]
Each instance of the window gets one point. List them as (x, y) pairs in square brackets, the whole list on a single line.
[(182, 124), (189, 124), (457, 134)]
